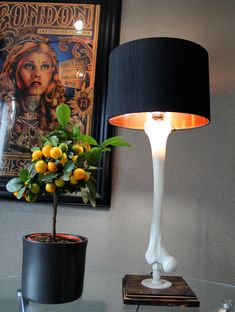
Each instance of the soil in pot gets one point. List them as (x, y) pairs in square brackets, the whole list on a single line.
[(60, 238)]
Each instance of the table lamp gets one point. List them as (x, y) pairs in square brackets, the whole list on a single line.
[(158, 85)]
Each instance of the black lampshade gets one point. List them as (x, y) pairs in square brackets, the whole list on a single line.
[(159, 75)]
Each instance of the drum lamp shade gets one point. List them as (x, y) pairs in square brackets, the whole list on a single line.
[(159, 75)]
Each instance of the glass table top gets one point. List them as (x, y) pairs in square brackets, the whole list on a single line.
[(102, 293)]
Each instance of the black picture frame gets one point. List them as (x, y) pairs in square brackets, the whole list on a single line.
[(108, 39)]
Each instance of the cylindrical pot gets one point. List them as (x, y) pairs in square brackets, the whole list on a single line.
[(53, 272)]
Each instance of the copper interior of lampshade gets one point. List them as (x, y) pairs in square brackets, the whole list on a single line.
[(178, 120)]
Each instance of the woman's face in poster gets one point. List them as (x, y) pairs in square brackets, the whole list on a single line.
[(34, 73)]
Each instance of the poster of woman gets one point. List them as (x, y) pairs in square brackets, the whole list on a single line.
[(44, 61)]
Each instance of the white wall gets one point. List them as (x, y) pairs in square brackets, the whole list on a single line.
[(199, 186)]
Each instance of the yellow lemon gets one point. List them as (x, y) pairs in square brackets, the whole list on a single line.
[(87, 146), (74, 159), (79, 174), (46, 150), (59, 182), (26, 196), (63, 159), (77, 149), (56, 152), (35, 188), (87, 177), (52, 167), (41, 166), (50, 187), (37, 154), (30, 197), (73, 180)]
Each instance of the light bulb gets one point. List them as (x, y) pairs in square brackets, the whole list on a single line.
[(78, 25)]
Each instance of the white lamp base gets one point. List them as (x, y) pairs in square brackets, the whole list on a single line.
[(161, 284)]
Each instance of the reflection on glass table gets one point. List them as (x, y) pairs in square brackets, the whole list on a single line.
[(102, 293)]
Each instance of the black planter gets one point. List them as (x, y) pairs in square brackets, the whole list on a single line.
[(53, 272)]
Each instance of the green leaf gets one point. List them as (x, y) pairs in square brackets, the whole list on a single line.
[(70, 154), (82, 184), (106, 149), (14, 185), (69, 166), (94, 155), (92, 168), (31, 169), (88, 139), (80, 161), (46, 141), (93, 201), (68, 142), (21, 193), (24, 175), (114, 141), (35, 148), (76, 131), (92, 187), (63, 114), (85, 195), (40, 176), (50, 176), (65, 177), (53, 140)]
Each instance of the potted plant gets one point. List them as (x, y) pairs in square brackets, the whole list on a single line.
[(54, 264)]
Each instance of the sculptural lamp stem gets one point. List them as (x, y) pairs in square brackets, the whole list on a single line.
[(158, 127)]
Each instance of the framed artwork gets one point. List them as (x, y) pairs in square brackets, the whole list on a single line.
[(69, 45)]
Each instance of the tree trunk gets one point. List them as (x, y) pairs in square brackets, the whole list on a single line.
[(54, 214)]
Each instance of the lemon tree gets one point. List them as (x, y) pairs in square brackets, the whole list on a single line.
[(65, 162)]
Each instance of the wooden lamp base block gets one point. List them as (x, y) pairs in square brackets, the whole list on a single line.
[(179, 294)]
